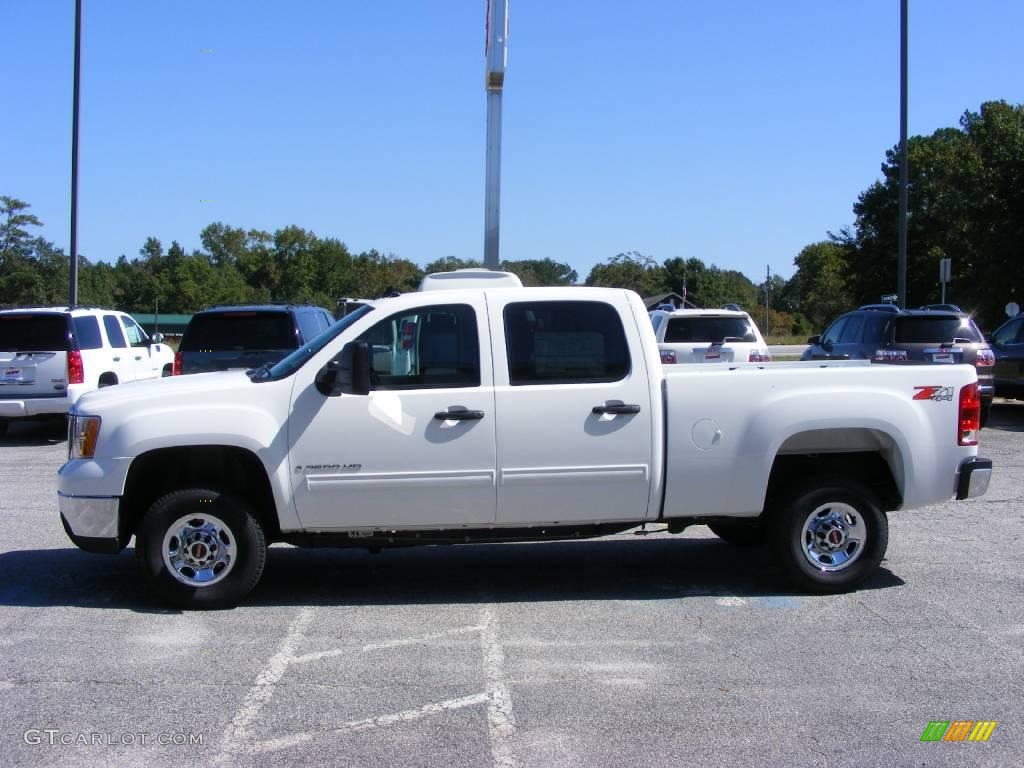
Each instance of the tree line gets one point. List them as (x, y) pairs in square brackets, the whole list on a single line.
[(966, 198)]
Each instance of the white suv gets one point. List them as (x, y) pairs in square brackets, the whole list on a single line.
[(708, 336), (51, 356)]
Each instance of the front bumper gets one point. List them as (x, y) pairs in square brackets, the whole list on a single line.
[(92, 522), (973, 478)]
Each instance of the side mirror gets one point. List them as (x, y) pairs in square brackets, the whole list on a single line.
[(348, 373), (157, 338), (814, 340)]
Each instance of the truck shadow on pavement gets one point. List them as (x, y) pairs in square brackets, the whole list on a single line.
[(660, 569)]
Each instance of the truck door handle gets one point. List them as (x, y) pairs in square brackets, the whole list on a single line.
[(458, 413), (117, 359), (139, 357), (616, 408)]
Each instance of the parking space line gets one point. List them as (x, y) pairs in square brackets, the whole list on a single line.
[(501, 721), (369, 723), (237, 732), (386, 644)]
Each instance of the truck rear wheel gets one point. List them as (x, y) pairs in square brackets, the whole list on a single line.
[(201, 548), (830, 535)]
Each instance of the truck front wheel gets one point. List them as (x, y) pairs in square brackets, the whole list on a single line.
[(201, 548), (830, 535)]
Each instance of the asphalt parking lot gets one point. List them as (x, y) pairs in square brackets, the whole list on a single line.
[(626, 651)]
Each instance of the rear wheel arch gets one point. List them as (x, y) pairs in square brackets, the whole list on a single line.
[(108, 379), (865, 456), (228, 469)]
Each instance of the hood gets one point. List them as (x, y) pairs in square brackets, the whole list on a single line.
[(193, 389)]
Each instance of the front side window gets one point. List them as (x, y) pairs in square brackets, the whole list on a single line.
[(834, 332), (1011, 333), (425, 348), (114, 334), (136, 336), (851, 332), (564, 342)]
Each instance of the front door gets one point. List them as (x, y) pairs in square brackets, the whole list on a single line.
[(575, 418), (419, 450)]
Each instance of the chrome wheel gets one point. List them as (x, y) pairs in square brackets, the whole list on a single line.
[(199, 550), (834, 535)]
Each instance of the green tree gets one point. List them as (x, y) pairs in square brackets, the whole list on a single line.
[(822, 290), (539, 272), (630, 270)]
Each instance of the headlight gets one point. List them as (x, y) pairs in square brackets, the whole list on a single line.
[(83, 432)]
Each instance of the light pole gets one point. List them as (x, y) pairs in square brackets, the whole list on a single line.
[(497, 42), (73, 287), (901, 276)]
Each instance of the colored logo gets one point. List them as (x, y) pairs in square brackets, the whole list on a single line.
[(958, 730)]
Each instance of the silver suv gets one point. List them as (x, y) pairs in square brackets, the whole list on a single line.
[(51, 356)]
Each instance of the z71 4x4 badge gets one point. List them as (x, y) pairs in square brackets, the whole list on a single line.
[(934, 393)]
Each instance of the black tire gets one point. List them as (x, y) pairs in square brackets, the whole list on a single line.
[(220, 532), (739, 533), (107, 380), (167, 371), (986, 411), (4, 423), (829, 536)]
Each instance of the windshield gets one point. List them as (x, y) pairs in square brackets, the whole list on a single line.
[(935, 330), (683, 330), (298, 358), (34, 332)]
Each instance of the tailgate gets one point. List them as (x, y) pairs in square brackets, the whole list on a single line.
[(31, 374)]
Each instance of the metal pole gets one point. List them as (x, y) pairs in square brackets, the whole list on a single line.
[(73, 287), (767, 297), (497, 39), (901, 277)]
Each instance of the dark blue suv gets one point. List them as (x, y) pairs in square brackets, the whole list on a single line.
[(225, 337)]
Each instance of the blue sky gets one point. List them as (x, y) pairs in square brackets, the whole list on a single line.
[(732, 131)]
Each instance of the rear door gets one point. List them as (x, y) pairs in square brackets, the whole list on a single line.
[(33, 354), (556, 363), (122, 358)]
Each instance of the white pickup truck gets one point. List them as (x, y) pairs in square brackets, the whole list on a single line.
[(510, 414)]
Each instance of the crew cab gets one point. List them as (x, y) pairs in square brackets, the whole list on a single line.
[(510, 414)]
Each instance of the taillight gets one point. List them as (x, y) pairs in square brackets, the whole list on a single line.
[(985, 359), (970, 415), (668, 357), (890, 356), (76, 371), (759, 356), (408, 335), (176, 368)]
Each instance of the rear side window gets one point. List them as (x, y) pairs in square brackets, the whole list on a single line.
[(564, 342), (239, 331), (682, 330), (874, 328), (928, 330), (114, 333), (87, 332), (308, 324), (34, 332)]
